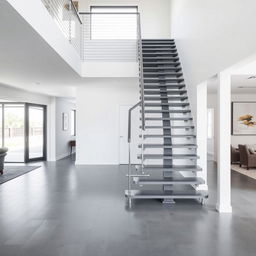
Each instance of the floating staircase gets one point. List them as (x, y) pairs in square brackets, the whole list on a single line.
[(168, 169)]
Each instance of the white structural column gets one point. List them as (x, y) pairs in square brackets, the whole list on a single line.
[(201, 120), (224, 140)]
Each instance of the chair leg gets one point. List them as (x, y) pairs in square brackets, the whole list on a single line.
[(1, 172), (248, 168)]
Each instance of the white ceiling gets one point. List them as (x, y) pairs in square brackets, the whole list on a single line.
[(28, 62), (239, 84)]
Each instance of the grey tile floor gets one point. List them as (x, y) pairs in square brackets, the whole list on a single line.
[(61, 209)]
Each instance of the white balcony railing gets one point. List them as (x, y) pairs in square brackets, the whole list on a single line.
[(65, 15), (97, 36), (109, 36)]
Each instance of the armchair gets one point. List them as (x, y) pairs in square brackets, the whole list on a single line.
[(246, 158), (235, 155), (3, 153)]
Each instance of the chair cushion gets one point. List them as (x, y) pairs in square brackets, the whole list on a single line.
[(3, 150), (251, 151), (252, 146)]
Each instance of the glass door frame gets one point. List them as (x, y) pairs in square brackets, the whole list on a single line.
[(44, 157), (3, 104)]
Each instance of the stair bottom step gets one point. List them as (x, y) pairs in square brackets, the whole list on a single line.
[(170, 181), (165, 168), (153, 194)]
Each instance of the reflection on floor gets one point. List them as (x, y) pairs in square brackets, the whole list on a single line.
[(61, 209)]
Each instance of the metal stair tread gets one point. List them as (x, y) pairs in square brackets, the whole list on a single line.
[(178, 104), (162, 156), (144, 54), (171, 181), (168, 119), (162, 73), (158, 98), (160, 58), (152, 92), (163, 86), (165, 48), (153, 194), (149, 69), (172, 168), (170, 127), (177, 63), (167, 111), (168, 136), (145, 145)]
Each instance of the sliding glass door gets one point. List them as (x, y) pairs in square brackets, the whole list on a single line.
[(14, 131), (23, 131), (35, 132)]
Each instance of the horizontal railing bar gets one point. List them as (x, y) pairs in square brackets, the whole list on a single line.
[(90, 13), (130, 119)]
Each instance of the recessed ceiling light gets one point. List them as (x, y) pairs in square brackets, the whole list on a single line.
[(37, 83)]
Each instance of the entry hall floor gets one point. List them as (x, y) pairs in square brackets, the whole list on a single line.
[(61, 209)]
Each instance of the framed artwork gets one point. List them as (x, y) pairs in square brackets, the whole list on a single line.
[(243, 118), (64, 121)]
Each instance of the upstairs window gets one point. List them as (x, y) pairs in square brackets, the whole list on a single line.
[(114, 22)]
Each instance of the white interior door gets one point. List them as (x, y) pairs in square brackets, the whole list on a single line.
[(123, 135)]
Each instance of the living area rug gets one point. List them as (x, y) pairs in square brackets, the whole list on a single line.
[(12, 172), (250, 173)]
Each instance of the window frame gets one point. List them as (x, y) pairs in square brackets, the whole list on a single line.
[(73, 133)]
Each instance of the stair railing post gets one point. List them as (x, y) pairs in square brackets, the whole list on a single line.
[(141, 81), (129, 175)]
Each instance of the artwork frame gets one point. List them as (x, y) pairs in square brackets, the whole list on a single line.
[(65, 123), (243, 118)]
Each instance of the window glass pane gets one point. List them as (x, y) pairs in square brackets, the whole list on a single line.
[(14, 119), (114, 26), (73, 122), (1, 141), (36, 128), (210, 123)]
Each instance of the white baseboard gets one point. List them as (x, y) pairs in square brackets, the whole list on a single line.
[(62, 156)]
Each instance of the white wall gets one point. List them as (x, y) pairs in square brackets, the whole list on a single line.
[(63, 137), (98, 105), (235, 140), (155, 15), (211, 36)]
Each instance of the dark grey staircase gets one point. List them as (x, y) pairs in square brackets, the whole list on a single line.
[(168, 156)]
